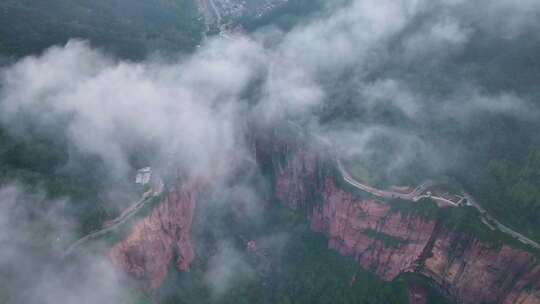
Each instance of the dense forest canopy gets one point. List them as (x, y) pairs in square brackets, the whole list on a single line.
[(131, 29)]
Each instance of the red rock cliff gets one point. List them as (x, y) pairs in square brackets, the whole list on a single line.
[(156, 240), (382, 239), (388, 242)]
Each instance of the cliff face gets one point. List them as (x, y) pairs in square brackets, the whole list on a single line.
[(476, 272), (301, 167), (161, 238), (389, 242), (382, 239)]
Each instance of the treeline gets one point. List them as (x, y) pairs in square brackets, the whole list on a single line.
[(130, 29)]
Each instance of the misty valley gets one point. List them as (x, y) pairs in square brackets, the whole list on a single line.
[(269, 151)]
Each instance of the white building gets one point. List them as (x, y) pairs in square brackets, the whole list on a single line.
[(143, 176)]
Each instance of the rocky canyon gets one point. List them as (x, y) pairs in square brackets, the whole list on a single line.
[(385, 240)]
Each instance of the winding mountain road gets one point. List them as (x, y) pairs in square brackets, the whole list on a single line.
[(417, 194), (491, 221), (217, 14), (114, 224), (211, 13)]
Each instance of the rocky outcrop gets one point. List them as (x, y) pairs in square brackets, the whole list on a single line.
[(161, 238), (389, 242), (381, 238), (300, 167), (476, 272)]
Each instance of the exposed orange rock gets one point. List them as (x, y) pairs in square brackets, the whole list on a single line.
[(302, 166), (156, 240), (382, 239), (466, 268), (346, 221), (476, 272)]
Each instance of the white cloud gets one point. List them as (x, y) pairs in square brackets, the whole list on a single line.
[(226, 266), (188, 108), (32, 272), (390, 93), (194, 109)]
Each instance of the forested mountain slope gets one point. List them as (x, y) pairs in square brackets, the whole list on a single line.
[(128, 28)]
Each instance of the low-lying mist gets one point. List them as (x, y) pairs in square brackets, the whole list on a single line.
[(403, 84)]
